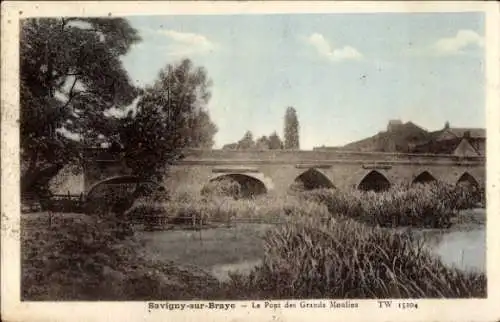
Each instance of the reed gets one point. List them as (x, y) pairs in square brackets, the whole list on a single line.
[(317, 259), (429, 205)]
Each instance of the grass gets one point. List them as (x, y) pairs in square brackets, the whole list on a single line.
[(222, 210), (430, 206), (86, 261), (314, 259), (425, 206), (320, 249)]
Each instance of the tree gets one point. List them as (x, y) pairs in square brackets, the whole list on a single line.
[(203, 131), (170, 116), (275, 142), (246, 142), (262, 143), (70, 75), (291, 129)]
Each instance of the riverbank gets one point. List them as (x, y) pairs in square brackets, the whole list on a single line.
[(238, 248)]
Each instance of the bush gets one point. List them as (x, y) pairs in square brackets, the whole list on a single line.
[(223, 188), (314, 259)]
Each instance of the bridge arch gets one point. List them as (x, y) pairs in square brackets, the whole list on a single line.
[(466, 179), (423, 178), (374, 181), (120, 180), (249, 185), (117, 201), (313, 179)]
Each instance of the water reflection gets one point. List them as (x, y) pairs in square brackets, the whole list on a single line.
[(461, 248), (464, 249)]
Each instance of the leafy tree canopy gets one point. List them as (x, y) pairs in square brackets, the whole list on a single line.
[(171, 115), (71, 73), (291, 131)]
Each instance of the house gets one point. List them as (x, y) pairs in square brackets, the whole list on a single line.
[(410, 138), (455, 141), (452, 133)]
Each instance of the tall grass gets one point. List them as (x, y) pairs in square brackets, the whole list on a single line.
[(223, 210), (316, 259), (429, 205)]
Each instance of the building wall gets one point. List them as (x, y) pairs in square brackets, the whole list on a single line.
[(464, 148)]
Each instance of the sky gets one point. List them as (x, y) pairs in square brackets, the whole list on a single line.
[(347, 75)]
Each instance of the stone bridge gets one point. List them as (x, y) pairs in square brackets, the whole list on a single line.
[(278, 170)]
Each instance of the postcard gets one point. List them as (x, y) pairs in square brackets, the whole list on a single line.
[(185, 161)]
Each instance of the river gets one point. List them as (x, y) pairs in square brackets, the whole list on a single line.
[(221, 250), (463, 246)]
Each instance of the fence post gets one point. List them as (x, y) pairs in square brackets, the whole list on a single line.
[(200, 228), (50, 219)]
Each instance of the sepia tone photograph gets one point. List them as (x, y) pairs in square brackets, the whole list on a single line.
[(251, 157)]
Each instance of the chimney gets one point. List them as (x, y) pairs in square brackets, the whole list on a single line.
[(446, 125), (393, 125)]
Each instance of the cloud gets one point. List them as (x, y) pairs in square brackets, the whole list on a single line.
[(449, 46), (185, 43), (324, 49), (454, 45)]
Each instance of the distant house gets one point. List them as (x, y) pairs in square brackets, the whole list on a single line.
[(452, 133), (455, 141), (394, 125), (410, 138)]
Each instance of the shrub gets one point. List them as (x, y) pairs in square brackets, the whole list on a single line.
[(223, 187), (317, 259)]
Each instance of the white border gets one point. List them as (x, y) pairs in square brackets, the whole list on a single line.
[(442, 310)]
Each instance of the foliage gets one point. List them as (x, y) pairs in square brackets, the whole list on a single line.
[(70, 75), (213, 208), (271, 142), (171, 115), (429, 205), (262, 143), (246, 142), (316, 259), (275, 142), (420, 206), (223, 187), (291, 129)]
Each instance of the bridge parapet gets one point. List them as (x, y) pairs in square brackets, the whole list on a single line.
[(294, 156)]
